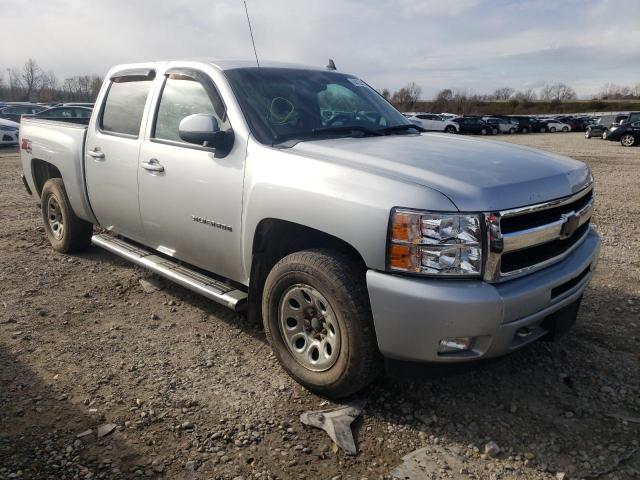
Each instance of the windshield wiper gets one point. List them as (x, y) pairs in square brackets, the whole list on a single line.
[(346, 129), (401, 128)]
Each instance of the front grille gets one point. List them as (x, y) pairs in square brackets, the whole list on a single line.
[(526, 239), (7, 138), (513, 261), (542, 217)]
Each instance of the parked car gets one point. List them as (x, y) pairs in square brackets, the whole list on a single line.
[(66, 114), (526, 124), (627, 133), (344, 235), (600, 126), (14, 112), (474, 125), (8, 132), (576, 124), (435, 123), (550, 125), (502, 125), (618, 120)]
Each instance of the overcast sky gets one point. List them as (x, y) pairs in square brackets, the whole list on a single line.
[(476, 45)]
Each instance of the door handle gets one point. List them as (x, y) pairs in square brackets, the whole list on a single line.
[(153, 166), (96, 153)]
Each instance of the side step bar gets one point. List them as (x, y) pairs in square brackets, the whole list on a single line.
[(209, 287)]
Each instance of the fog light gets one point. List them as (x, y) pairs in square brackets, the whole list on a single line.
[(457, 344)]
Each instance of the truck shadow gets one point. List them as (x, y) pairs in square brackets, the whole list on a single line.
[(40, 421)]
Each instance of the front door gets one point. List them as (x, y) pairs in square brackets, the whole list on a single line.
[(111, 154), (190, 195)]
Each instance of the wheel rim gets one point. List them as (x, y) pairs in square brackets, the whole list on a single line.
[(309, 327), (627, 140), (54, 217)]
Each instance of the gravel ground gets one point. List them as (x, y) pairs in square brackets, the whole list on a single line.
[(183, 388)]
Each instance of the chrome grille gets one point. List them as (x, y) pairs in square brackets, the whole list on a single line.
[(526, 239)]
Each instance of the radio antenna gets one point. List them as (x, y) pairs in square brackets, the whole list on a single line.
[(251, 32)]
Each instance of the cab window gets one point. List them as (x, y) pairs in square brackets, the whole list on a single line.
[(124, 106)]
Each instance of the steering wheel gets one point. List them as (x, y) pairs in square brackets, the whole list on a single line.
[(339, 117)]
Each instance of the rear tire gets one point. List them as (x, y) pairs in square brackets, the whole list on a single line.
[(450, 129), (565, 129), (587, 134), (525, 130), (316, 298), (65, 231), (512, 131), (483, 131), (552, 129), (605, 134), (543, 129)]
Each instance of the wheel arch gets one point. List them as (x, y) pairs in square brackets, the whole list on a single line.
[(274, 239), (42, 171)]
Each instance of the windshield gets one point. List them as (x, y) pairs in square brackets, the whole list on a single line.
[(283, 104)]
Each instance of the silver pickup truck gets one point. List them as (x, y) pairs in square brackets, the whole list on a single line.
[(302, 197)]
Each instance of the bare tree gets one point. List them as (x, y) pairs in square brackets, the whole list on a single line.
[(527, 96), (504, 93), (407, 96), (49, 87), (557, 92), (611, 91), (386, 93), (30, 78)]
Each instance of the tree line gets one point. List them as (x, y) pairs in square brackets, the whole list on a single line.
[(549, 97), (30, 83)]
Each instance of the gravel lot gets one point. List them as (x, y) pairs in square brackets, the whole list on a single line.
[(191, 390)]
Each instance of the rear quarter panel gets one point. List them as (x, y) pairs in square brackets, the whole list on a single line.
[(61, 145)]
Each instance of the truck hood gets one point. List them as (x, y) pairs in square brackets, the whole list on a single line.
[(476, 175)]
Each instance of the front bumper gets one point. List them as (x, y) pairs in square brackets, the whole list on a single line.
[(411, 315)]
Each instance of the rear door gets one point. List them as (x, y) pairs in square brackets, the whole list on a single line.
[(111, 152), (191, 195)]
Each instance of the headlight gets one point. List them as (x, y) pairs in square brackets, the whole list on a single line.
[(443, 244)]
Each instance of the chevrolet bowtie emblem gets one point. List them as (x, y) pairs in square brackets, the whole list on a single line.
[(570, 225)]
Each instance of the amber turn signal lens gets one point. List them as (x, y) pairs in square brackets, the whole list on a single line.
[(403, 257), (405, 227)]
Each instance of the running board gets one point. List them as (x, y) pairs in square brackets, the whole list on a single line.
[(209, 287)]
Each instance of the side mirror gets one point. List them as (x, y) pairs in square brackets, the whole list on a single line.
[(203, 129)]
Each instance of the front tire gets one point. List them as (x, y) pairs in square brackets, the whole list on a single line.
[(483, 131), (605, 134), (450, 129), (65, 231), (587, 134), (318, 321), (552, 129), (628, 140), (565, 129)]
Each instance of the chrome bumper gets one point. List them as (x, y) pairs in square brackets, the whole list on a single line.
[(411, 315)]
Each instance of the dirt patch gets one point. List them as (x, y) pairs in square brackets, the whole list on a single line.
[(195, 392)]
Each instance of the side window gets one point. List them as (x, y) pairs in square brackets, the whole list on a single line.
[(183, 96), (123, 109)]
